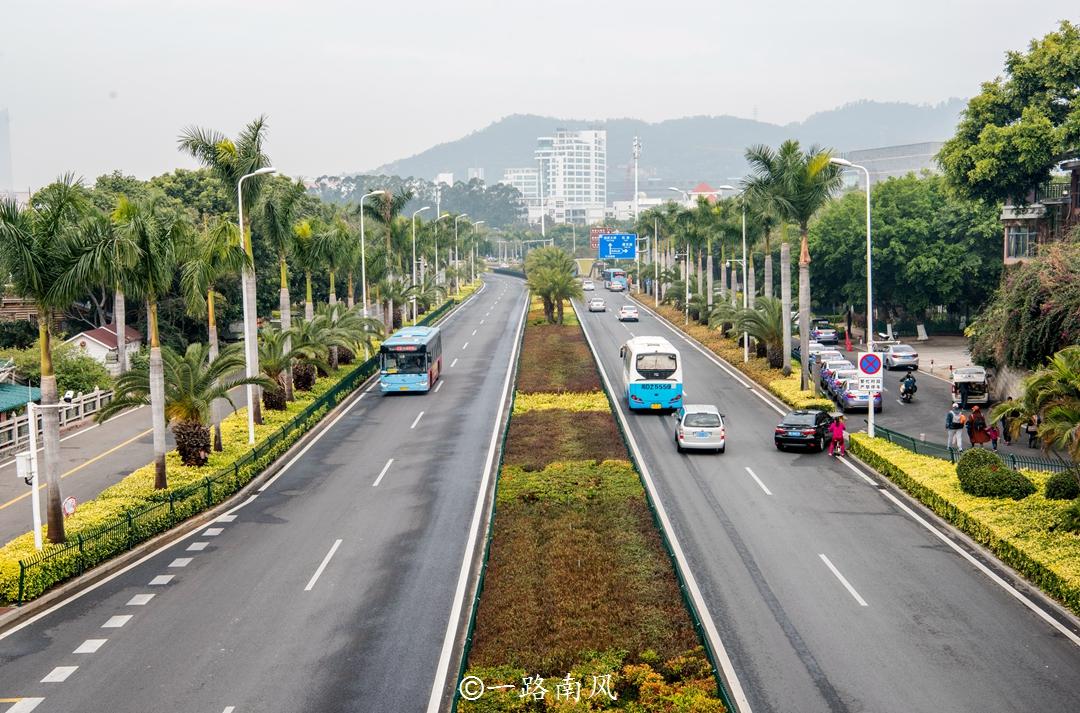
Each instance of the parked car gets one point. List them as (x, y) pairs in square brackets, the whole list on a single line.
[(806, 428), (821, 330), (901, 356), (628, 313), (596, 304), (850, 398), (831, 366), (971, 379), (588, 286), (824, 355), (699, 427), (835, 381), (814, 347)]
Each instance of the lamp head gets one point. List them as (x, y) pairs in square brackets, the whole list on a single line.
[(726, 187), (837, 161), (264, 171)]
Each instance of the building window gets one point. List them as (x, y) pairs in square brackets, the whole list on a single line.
[(1020, 241)]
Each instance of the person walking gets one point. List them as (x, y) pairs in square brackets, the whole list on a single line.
[(954, 428), (994, 433), (1032, 429), (976, 428), (836, 430)]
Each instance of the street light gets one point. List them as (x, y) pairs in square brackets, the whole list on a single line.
[(419, 210), (457, 257), (709, 256), (436, 221), (476, 232), (363, 251), (247, 279), (844, 163), (686, 196)]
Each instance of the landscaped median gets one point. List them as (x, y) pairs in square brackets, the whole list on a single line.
[(580, 608)]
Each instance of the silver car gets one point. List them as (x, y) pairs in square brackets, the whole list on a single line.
[(699, 427), (901, 356), (597, 304)]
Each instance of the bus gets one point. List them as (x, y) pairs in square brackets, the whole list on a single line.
[(613, 275), (410, 360), (652, 374)]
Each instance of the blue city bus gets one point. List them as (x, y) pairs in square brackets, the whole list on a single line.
[(410, 360), (652, 374), (613, 275)]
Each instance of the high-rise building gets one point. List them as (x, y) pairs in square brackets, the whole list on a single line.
[(7, 179), (569, 182), (895, 161), (477, 173)]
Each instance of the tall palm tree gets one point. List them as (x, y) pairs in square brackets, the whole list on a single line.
[(276, 355), (215, 254), (308, 257), (798, 183), (158, 233), (33, 248), (386, 210), (193, 382), (334, 245)]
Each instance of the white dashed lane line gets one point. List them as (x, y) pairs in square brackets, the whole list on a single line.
[(417, 420), (140, 600), (464, 346), (161, 579), (439, 386), (197, 546), (180, 562), (322, 565), (383, 472), (25, 705), (213, 532), (226, 518), (115, 622), (758, 480), (59, 674), (90, 646), (453, 363), (843, 581)]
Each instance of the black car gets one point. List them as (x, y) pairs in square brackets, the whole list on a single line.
[(808, 428)]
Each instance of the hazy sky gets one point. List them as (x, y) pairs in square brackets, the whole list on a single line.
[(97, 85)]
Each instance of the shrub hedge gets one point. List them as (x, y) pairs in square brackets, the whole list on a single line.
[(565, 401), (982, 472), (1063, 486), (537, 438), (556, 359)]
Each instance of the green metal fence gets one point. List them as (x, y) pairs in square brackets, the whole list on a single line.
[(57, 563), (936, 450)]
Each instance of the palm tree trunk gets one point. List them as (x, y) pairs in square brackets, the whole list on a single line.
[(285, 308), (785, 299), (709, 279), (751, 284), (350, 301), (804, 306), (309, 305), (157, 399), (700, 272), (120, 319), (333, 289), (215, 408), (50, 432), (768, 268)]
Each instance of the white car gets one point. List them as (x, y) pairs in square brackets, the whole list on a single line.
[(588, 286), (596, 304), (699, 427), (901, 356), (616, 286), (628, 313)]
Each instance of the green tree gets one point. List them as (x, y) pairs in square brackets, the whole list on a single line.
[(1052, 394), (276, 356), (550, 274)]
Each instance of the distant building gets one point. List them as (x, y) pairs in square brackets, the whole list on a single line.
[(527, 182), (477, 173), (447, 178), (895, 161), (570, 177), (7, 179), (102, 344), (624, 210), (1047, 214)]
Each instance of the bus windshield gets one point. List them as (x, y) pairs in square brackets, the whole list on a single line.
[(656, 366), (404, 362)]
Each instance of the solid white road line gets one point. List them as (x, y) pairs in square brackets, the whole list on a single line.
[(59, 674), (464, 346), (161, 579), (180, 562), (140, 600), (742, 703), (115, 622), (322, 566), (439, 385), (754, 476), (443, 669), (197, 546), (382, 472), (452, 363), (25, 705), (90, 646), (417, 420), (213, 531), (847, 585)]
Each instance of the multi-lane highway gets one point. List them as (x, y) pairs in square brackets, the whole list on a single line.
[(828, 593), (335, 587)]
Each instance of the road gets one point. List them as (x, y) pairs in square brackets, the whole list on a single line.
[(826, 593), (330, 591)]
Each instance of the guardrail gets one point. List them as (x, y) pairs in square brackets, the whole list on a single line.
[(936, 450), (15, 433)]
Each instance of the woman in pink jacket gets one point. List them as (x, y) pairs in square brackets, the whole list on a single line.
[(836, 430)]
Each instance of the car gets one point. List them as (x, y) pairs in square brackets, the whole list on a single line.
[(588, 286), (836, 379), (814, 347), (805, 428), (823, 356), (628, 313), (849, 397), (596, 304), (901, 356), (616, 286), (699, 427), (828, 368), (821, 330)]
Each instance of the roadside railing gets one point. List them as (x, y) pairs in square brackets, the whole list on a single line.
[(936, 450), (15, 433)]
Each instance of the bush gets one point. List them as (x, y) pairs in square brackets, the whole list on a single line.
[(567, 401), (1069, 519), (18, 335), (1063, 486), (983, 473), (74, 369)]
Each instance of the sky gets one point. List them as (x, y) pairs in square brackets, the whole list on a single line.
[(97, 86)]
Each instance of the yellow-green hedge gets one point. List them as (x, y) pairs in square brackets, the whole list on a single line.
[(566, 401), (1017, 531)]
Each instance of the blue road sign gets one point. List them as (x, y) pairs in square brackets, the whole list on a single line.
[(622, 246)]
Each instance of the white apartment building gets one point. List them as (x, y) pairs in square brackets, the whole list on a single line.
[(569, 182)]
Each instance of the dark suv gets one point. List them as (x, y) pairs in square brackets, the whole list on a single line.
[(808, 428)]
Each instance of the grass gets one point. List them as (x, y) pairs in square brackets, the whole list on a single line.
[(554, 359), (536, 313), (538, 438)]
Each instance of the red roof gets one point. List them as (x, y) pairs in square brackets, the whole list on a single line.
[(703, 188), (106, 336)]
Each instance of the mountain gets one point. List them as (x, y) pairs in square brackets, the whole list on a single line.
[(683, 152)]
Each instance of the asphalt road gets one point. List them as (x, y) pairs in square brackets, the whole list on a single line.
[(330, 591), (827, 595)]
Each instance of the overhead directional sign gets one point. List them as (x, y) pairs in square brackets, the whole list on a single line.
[(621, 246), (594, 236), (871, 377)]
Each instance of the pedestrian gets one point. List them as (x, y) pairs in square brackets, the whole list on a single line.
[(994, 435), (976, 427), (1005, 424), (1032, 429), (964, 389), (954, 428), (836, 430)]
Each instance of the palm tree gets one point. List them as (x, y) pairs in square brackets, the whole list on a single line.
[(428, 293), (396, 291), (765, 323), (333, 245), (307, 256), (349, 329), (1052, 394), (192, 383), (276, 356), (310, 345), (386, 210), (33, 248), (158, 233), (797, 184), (216, 254)]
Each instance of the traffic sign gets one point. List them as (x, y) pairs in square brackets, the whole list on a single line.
[(594, 236), (870, 375), (621, 246)]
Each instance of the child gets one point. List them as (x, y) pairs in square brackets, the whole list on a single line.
[(836, 429), (994, 435)]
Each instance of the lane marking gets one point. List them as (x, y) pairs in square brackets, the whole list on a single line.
[(754, 476), (322, 566), (23, 705), (81, 431), (180, 562), (59, 674), (140, 600), (847, 585), (229, 709), (439, 385), (383, 472), (473, 333), (213, 531), (226, 518), (464, 346), (452, 363), (439, 685), (481, 322), (197, 546), (115, 622), (161, 579), (418, 417), (90, 646)]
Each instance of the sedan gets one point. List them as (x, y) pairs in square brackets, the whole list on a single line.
[(596, 304), (832, 366), (824, 356), (836, 381), (822, 331), (628, 313), (808, 428), (588, 286), (616, 286), (699, 427), (901, 356), (849, 397)]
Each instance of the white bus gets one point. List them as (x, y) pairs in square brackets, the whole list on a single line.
[(652, 374)]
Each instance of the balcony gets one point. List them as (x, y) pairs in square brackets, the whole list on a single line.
[(1052, 193)]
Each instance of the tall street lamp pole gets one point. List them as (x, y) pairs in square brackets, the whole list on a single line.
[(444, 215), (637, 155), (457, 257), (419, 210), (869, 282), (247, 278), (709, 258), (476, 237), (363, 248), (745, 284)]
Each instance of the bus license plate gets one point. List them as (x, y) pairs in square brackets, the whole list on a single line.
[(654, 406), (403, 388)]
